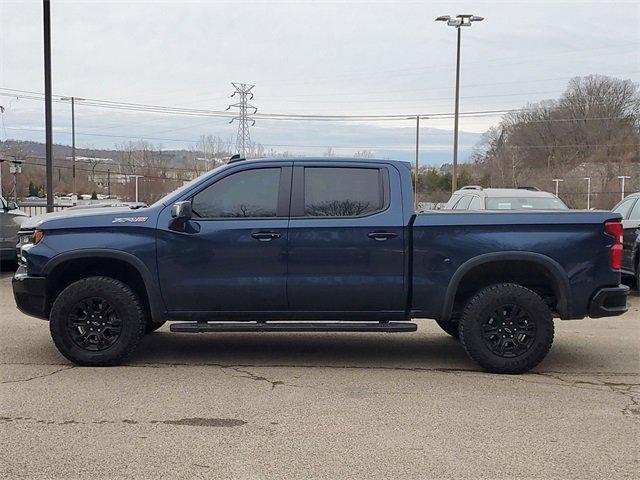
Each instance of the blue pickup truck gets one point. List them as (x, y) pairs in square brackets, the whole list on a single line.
[(308, 245)]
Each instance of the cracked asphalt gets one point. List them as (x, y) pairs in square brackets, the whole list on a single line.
[(316, 405)]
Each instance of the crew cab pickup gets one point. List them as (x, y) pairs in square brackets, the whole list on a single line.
[(308, 245)]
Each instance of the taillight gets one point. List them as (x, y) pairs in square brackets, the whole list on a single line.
[(614, 228)]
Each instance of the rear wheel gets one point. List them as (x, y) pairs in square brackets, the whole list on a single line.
[(449, 327), (97, 321), (506, 328)]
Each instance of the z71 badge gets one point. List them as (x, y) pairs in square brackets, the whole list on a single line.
[(129, 219)]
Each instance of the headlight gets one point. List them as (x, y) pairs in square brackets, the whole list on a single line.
[(27, 237), (26, 240)]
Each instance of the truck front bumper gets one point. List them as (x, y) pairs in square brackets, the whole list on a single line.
[(609, 302), (30, 293)]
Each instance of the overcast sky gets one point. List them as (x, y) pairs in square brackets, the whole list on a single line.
[(303, 57)]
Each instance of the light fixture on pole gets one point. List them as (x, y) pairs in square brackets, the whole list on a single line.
[(588, 179), (457, 22), (73, 101), (622, 179), (557, 180)]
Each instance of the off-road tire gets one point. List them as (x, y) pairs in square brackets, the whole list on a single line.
[(124, 301), (480, 309), (449, 327), (150, 326)]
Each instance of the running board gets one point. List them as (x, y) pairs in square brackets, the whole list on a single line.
[(201, 327)]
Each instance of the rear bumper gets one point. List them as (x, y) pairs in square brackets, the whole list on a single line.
[(609, 302), (30, 293)]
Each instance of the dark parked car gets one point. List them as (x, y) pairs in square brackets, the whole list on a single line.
[(474, 197), (629, 208), (11, 219), (277, 245)]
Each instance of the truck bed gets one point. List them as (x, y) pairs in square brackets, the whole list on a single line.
[(450, 246)]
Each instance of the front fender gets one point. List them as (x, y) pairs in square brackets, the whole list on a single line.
[(156, 304)]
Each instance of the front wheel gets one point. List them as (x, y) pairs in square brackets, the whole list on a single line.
[(506, 328), (97, 321)]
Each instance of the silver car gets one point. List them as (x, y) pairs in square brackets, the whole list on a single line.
[(11, 218)]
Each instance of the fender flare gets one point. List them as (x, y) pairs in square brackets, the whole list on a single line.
[(557, 273), (153, 294)]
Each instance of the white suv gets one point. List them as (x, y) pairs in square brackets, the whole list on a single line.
[(473, 197)]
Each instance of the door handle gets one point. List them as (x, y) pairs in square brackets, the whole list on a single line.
[(381, 236), (265, 236)]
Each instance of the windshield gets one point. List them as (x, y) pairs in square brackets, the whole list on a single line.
[(187, 185), (525, 203)]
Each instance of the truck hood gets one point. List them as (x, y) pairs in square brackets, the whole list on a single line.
[(92, 218)]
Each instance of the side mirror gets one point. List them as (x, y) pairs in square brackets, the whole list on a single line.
[(180, 215), (12, 205)]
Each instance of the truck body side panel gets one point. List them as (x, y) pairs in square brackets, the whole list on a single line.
[(575, 241)]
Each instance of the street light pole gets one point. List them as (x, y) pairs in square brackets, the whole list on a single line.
[(457, 22), (622, 179), (454, 176), (588, 179), (557, 180)]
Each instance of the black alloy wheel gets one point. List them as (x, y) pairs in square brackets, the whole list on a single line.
[(509, 331), (94, 324)]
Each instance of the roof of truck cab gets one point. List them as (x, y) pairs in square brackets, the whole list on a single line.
[(326, 159)]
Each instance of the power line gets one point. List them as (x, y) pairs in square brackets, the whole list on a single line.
[(273, 116)]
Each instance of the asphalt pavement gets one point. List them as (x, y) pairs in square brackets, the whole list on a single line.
[(315, 405)]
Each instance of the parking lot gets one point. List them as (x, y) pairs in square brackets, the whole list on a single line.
[(319, 406)]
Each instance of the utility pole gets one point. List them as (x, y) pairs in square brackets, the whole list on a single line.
[(15, 169), (457, 22), (415, 188), (243, 140), (109, 182), (48, 109), (622, 179), (557, 180), (73, 137), (588, 179)]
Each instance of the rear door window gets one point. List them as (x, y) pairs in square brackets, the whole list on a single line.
[(343, 191)]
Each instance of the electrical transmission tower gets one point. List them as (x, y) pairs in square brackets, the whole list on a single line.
[(243, 140)]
